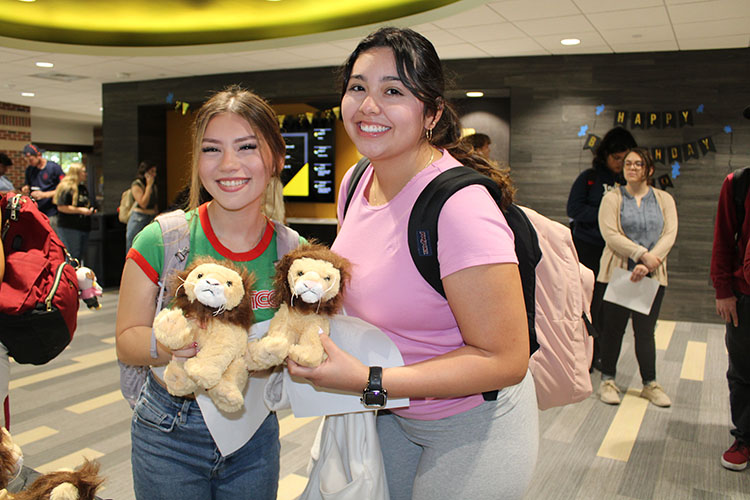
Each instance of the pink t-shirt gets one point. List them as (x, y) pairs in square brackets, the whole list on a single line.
[(387, 290)]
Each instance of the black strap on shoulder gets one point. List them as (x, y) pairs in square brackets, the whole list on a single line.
[(740, 186), (359, 169), (423, 234)]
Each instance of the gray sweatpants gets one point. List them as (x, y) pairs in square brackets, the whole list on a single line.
[(488, 452)]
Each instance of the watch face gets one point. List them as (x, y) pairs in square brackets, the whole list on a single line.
[(374, 398)]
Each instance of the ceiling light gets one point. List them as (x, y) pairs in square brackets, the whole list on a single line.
[(29, 1), (27, 94), (474, 94), (43, 64), (570, 41)]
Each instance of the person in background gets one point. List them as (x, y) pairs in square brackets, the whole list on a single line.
[(480, 143), (639, 226), (451, 442), (237, 148), (75, 211), (146, 202), (730, 274), (583, 210), (41, 179), (5, 183)]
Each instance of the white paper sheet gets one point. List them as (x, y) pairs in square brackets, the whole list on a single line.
[(637, 296), (363, 341)]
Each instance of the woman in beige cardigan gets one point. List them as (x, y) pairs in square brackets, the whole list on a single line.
[(639, 226)]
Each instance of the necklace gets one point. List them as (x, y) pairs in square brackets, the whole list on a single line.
[(375, 200)]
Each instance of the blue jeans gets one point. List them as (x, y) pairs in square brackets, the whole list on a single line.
[(136, 222), (174, 456)]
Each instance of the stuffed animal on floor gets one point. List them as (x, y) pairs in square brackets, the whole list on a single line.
[(80, 484), (212, 308), (11, 459), (308, 288), (90, 289)]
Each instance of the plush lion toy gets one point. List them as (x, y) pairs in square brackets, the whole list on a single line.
[(308, 288), (212, 308), (80, 484)]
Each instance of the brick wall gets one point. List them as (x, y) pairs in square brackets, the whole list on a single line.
[(15, 133)]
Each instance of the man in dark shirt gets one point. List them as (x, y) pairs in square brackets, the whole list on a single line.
[(41, 180), (733, 305)]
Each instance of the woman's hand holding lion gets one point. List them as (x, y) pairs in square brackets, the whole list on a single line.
[(340, 371)]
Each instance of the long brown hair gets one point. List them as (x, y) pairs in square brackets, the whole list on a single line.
[(256, 111), (421, 71)]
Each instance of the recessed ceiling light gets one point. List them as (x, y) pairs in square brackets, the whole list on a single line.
[(570, 41), (43, 64), (28, 94), (474, 94), (28, 1)]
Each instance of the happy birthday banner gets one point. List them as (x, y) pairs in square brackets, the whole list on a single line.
[(672, 155)]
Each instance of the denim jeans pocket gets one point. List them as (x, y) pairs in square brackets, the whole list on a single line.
[(151, 416)]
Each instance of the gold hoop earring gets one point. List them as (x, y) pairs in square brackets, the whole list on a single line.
[(428, 134)]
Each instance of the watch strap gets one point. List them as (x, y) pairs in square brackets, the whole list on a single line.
[(375, 381)]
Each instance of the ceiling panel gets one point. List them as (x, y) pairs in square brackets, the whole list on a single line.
[(519, 10), (466, 29), (564, 26)]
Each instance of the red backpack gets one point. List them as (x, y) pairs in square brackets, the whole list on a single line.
[(39, 292)]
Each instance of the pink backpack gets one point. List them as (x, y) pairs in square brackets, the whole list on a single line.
[(564, 288)]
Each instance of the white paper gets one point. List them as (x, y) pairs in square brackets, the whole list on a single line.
[(363, 341), (637, 296)]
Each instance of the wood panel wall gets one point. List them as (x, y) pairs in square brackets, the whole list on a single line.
[(551, 98)]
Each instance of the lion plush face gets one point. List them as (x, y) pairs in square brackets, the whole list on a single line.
[(214, 286), (312, 278), (208, 288)]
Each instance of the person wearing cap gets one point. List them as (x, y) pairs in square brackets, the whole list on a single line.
[(5, 183), (42, 178)]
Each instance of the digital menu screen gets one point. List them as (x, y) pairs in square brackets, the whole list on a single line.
[(309, 173)]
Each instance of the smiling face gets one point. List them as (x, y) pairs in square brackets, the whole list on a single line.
[(381, 116), (231, 164)]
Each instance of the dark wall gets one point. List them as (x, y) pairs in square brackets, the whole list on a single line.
[(551, 98)]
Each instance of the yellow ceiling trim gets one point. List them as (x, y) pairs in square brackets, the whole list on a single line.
[(139, 23)]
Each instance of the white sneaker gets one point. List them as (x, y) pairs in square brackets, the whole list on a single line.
[(608, 392), (655, 393)]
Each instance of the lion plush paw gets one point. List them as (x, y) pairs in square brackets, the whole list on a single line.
[(266, 352), (204, 372), (171, 328), (227, 397), (307, 354), (178, 381)]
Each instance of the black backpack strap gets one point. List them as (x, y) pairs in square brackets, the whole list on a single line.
[(359, 169), (423, 239), (740, 186), (423, 234)]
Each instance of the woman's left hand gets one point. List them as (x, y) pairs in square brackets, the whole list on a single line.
[(340, 371), (638, 273)]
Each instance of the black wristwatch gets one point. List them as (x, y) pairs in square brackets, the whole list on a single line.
[(374, 396)]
